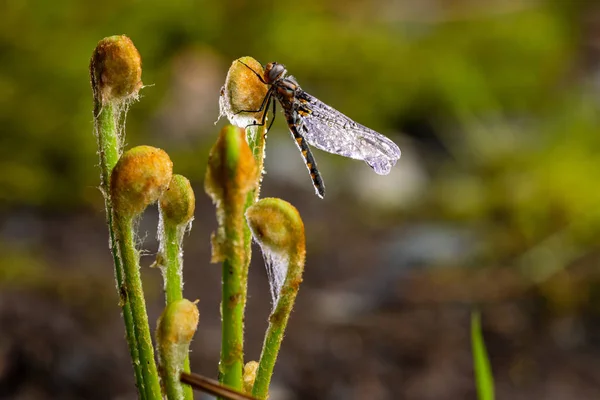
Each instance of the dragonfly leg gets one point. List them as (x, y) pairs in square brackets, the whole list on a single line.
[(264, 117), (262, 106), (273, 120), (255, 73)]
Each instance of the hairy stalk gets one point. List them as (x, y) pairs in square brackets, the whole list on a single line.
[(123, 227), (231, 175), (108, 160), (106, 127), (256, 137), (278, 228), (243, 90), (138, 180), (108, 111), (232, 307), (176, 213), (172, 260)]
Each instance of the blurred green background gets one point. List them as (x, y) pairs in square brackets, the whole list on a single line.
[(494, 203)]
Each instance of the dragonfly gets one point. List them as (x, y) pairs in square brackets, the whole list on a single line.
[(312, 122)]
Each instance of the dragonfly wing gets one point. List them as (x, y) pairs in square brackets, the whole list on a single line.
[(328, 129)]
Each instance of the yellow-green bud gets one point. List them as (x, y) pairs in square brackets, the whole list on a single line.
[(276, 225), (178, 322), (176, 328), (231, 169), (116, 70), (243, 90), (178, 202), (139, 179)]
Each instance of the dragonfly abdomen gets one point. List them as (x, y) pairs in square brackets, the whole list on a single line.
[(311, 164)]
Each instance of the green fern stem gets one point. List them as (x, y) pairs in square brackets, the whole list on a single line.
[(277, 227), (134, 295), (107, 133)]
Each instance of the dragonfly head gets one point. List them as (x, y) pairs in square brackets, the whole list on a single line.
[(274, 71)]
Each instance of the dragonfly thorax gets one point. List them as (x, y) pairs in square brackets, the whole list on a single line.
[(273, 72)]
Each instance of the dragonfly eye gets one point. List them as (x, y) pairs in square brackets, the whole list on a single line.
[(274, 71)]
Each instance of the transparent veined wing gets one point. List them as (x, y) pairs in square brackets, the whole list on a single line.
[(328, 129)]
